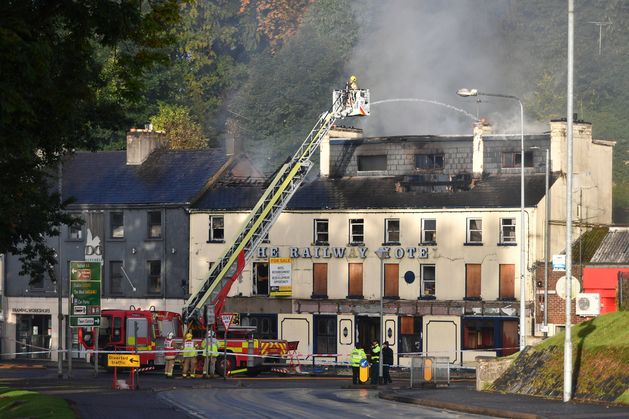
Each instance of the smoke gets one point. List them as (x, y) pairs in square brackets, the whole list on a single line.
[(428, 49)]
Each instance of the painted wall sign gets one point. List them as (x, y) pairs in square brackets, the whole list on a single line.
[(337, 252), (30, 310)]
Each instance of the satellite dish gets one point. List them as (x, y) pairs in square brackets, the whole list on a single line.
[(560, 288)]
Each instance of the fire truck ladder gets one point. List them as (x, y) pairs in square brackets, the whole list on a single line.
[(275, 198)]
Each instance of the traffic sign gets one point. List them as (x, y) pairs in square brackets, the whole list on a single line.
[(227, 320), (85, 288), (123, 360)]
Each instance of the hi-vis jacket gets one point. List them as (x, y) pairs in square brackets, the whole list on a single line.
[(357, 355), (213, 347)]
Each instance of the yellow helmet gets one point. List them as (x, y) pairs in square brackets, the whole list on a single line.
[(188, 336), (352, 78)]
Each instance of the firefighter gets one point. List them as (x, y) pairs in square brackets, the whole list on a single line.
[(357, 355), (169, 355), (189, 357), (352, 83), (375, 361), (210, 352), (349, 94)]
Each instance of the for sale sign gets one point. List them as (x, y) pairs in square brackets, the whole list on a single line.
[(280, 277), (85, 288)]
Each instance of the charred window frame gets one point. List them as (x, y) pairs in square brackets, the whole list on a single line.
[(356, 231), (507, 231), (429, 161), (372, 163), (392, 231), (321, 232), (512, 159), (260, 278), (216, 229), (429, 231)]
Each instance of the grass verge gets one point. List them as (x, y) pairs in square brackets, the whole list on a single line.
[(29, 404)]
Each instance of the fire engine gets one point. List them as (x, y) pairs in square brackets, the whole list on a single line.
[(244, 353)]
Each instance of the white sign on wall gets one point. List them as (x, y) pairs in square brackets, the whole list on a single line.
[(280, 277)]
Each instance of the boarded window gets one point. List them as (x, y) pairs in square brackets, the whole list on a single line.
[(507, 281), (355, 280), (391, 280), (406, 325), (510, 337), (472, 280), (319, 279)]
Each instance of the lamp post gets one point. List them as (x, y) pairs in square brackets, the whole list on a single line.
[(382, 253), (475, 92)]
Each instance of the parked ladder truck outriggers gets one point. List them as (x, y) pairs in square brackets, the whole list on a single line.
[(239, 350)]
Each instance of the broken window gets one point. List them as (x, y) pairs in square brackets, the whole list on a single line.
[(116, 225), (371, 163), (513, 159), (428, 281), (429, 161), (261, 278), (217, 229)]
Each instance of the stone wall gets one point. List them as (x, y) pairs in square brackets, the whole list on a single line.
[(489, 370)]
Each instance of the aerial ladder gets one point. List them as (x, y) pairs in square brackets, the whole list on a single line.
[(287, 179)]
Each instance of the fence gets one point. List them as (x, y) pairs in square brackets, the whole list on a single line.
[(430, 370)]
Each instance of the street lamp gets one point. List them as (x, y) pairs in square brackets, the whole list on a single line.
[(382, 253), (475, 92)]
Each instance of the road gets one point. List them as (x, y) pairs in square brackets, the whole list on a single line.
[(290, 402)]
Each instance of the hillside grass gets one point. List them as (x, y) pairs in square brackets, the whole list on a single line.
[(17, 404)]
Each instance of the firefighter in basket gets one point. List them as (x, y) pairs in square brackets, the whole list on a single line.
[(170, 352), (189, 357), (350, 91), (210, 353)]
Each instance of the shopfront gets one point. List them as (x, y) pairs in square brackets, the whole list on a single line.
[(33, 332)]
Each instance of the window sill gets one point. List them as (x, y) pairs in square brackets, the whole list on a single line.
[(472, 244), (215, 241), (115, 239), (391, 297), (321, 244), (355, 297), (427, 244), (507, 244), (154, 239), (356, 244), (391, 243), (505, 299), (319, 296), (472, 298), (427, 297)]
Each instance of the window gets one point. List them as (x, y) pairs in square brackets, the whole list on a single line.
[(320, 280), (116, 225), (474, 230), (357, 231), (355, 289), (472, 281), (428, 280), (391, 280), (75, 232), (429, 231), (429, 161), (154, 224), (325, 334), (507, 230), (513, 159), (265, 324), (506, 287), (321, 232), (392, 230), (115, 277), (478, 334), (371, 163), (154, 268), (261, 278), (410, 334), (217, 229)]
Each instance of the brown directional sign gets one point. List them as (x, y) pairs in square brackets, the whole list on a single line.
[(123, 360)]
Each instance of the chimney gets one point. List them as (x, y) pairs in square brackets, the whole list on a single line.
[(582, 140), (481, 128), (325, 151), (142, 142), (232, 134)]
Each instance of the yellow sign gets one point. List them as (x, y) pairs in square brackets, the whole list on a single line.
[(123, 360)]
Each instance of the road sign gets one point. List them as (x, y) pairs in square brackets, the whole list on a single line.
[(227, 320), (559, 262), (123, 360), (85, 287), (560, 287)]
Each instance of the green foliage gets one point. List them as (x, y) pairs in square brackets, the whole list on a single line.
[(181, 131), (55, 98), (28, 404)]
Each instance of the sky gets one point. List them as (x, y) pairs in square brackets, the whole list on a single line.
[(427, 50)]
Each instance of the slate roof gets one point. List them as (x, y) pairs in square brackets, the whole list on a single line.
[(614, 248), (166, 177), (500, 191)]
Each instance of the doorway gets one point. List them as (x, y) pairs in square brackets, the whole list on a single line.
[(367, 329), (33, 336)]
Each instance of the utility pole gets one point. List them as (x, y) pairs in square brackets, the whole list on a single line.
[(600, 33)]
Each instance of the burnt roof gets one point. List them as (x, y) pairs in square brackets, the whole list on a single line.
[(166, 177), (499, 191)]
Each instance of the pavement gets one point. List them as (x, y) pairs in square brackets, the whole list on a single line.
[(460, 395)]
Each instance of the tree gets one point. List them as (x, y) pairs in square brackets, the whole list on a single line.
[(54, 99), (181, 131)]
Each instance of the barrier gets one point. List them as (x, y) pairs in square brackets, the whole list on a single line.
[(430, 370)]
